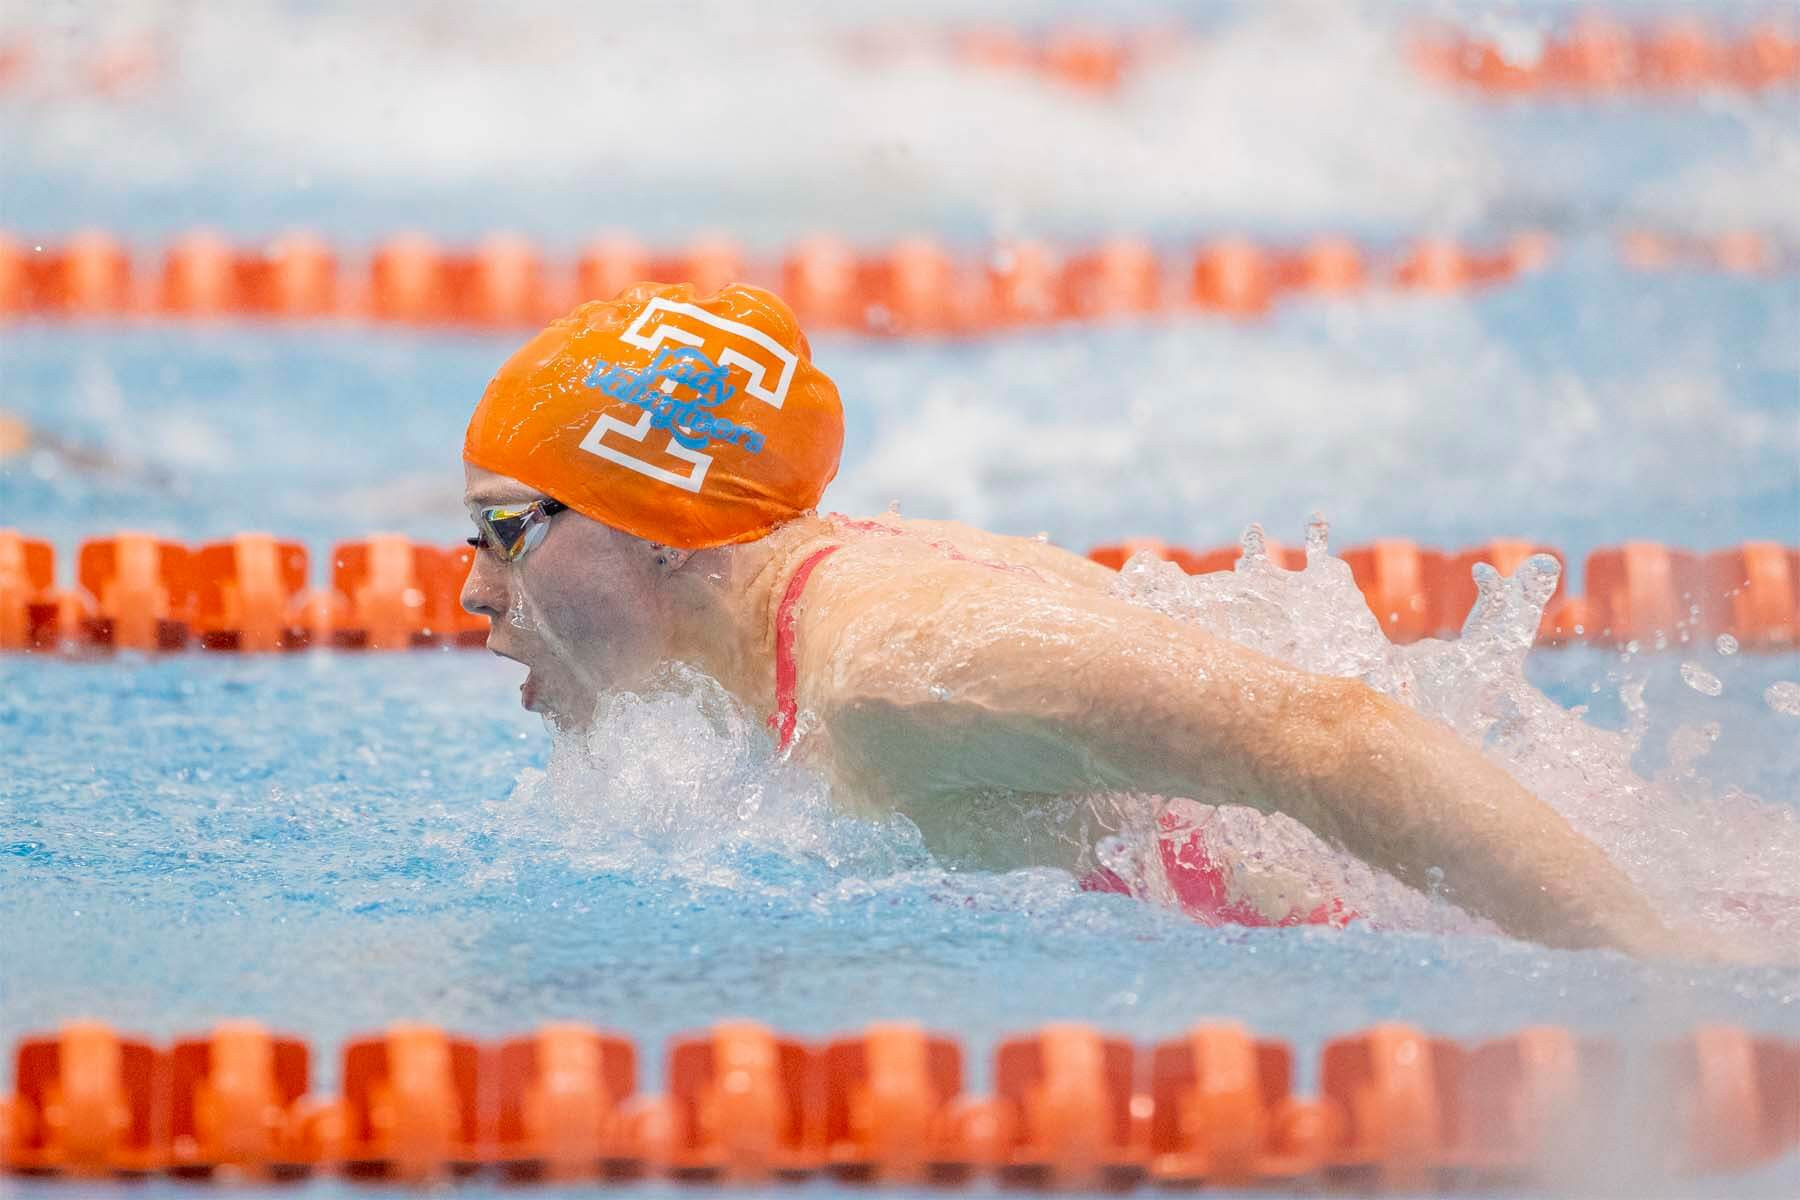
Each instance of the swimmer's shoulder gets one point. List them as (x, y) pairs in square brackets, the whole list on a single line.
[(891, 600), (923, 541)]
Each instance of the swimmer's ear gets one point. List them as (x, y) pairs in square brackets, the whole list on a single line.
[(670, 560)]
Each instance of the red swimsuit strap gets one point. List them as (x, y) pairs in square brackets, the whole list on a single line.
[(787, 708)]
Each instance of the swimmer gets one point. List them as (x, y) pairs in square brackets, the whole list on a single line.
[(644, 476), (18, 439)]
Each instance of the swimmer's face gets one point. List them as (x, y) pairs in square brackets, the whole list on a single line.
[(581, 609)]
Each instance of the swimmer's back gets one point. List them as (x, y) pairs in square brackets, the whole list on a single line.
[(898, 539)]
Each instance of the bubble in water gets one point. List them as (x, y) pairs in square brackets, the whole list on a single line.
[(1783, 697), (1725, 644), (1700, 679)]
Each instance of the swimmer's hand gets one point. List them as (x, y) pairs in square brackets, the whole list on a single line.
[(961, 679)]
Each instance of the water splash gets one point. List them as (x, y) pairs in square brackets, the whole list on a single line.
[(1726, 859), (1784, 698), (679, 778), (1701, 680)]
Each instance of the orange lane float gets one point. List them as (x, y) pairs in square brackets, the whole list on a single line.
[(15, 281), (1397, 1109), (238, 1105), (1643, 591), (1025, 279), (1732, 1099), (912, 288), (1595, 56), (247, 590), (412, 1106), (1330, 266), (1400, 580), (88, 275), (200, 277), (709, 262), (407, 281), (1235, 277), (561, 1114), (738, 1107), (500, 282), (1753, 594), (87, 1102), (1533, 1101), (142, 589), (27, 581), (1598, 56), (609, 264), (1441, 266), (1119, 278), (441, 573), (1224, 1112), (378, 592), (820, 279), (890, 1107), (1064, 1112), (1734, 252), (293, 276), (1387, 1084)]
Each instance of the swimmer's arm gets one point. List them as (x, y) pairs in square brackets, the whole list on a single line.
[(1000, 685)]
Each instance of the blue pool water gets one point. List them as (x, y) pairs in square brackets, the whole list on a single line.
[(329, 842)]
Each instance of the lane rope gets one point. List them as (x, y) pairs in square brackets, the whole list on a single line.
[(1070, 1107), (254, 592)]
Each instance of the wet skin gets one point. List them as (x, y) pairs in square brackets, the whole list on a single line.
[(946, 668)]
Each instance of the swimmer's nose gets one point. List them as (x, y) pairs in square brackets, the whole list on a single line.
[(484, 591)]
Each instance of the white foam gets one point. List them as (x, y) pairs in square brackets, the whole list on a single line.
[(1398, 419), (598, 108)]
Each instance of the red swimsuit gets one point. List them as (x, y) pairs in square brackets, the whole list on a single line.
[(787, 708)]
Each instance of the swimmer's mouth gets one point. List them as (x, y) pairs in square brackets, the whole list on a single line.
[(527, 689)]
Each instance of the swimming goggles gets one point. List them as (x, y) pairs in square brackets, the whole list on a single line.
[(511, 531)]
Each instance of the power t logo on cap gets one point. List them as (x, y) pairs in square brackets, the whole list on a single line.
[(688, 422)]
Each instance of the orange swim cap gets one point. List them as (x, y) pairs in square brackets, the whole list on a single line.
[(688, 422)]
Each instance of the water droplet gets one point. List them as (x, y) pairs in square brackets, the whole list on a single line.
[(1537, 577), (1318, 535), (1434, 879), (1700, 679), (939, 692), (1725, 644), (1783, 697), (1256, 547)]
